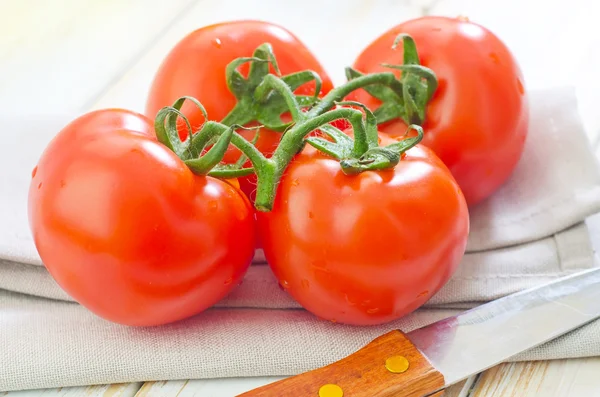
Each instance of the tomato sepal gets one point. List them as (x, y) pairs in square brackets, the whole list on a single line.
[(193, 151), (415, 93), (406, 98), (202, 165), (379, 158), (364, 153), (257, 100), (270, 103), (165, 127)]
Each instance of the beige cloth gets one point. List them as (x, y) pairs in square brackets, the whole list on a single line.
[(532, 231)]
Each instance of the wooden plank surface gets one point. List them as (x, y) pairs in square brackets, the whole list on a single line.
[(117, 390), (559, 378), (72, 56)]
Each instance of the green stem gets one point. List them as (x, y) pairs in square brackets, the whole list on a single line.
[(225, 172), (242, 160), (337, 94), (292, 141), (204, 164), (273, 83), (268, 176), (270, 172), (253, 154), (210, 130), (213, 129)]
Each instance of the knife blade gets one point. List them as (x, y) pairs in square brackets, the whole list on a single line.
[(429, 359)]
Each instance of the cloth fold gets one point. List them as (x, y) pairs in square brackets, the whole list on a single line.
[(535, 229)]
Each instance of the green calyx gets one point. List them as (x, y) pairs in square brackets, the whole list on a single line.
[(363, 153), (406, 98), (203, 150), (165, 126), (264, 97), (256, 101)]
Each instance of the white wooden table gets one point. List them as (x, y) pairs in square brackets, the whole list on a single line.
[(71, 56)]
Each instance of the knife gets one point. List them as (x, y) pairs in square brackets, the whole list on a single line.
[(425, 361)]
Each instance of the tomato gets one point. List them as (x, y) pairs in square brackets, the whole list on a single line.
[(128, 230), (196, 67), (368, 248), (477, 120)]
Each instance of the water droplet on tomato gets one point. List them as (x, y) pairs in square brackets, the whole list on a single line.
[(295, 182), (365, 302), (372, 310), (333, 320), (228, 281), (34, 172), (424, 293), (40, 185), (284, 284), (520, 87), (305, 283), (217, 42), (349, 300), (213, 205), (311, 215), (495, 58)]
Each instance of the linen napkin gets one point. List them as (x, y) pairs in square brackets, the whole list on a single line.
[(533, 230)]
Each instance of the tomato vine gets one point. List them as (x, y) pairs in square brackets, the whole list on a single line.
[(263, 97)]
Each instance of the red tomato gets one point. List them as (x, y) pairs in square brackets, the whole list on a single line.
[(196, 67), (128, 230), (477, 120), (369, 248)]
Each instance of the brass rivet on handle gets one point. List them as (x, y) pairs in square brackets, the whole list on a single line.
[(331, 390), (397, 364)]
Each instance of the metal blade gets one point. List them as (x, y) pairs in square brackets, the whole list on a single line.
[(487, 335)]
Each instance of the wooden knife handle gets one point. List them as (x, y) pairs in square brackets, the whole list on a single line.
[(365, 374)]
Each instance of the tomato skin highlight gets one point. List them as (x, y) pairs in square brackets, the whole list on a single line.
[(365, 249), (477, 121), (196, 67), (128, 231)]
